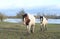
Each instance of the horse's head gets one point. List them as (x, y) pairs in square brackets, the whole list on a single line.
[(26, 19), (24, 16), (41, 18)]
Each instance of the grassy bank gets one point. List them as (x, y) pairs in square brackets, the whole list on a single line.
[(18, 31)]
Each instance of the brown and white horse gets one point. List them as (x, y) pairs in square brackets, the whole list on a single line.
[(43, 23), (29, 21)]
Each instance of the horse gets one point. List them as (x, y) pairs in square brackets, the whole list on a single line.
[(43, 23), (29, 21)]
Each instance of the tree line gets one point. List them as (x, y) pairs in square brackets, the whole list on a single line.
[(20, 13)]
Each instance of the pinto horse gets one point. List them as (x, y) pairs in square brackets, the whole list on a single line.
[(29, 21), (43, 23)]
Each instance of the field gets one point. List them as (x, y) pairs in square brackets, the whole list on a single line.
[(18, 31)]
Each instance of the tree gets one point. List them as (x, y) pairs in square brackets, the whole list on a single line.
[(2, 16), (19, 15), (38, 15)]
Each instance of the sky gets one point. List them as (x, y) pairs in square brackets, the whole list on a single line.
[(11, 7)]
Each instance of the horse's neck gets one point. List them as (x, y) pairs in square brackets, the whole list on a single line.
[(44, 20)]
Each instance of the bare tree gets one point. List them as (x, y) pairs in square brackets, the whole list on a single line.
[(2, 16), (20, 13)]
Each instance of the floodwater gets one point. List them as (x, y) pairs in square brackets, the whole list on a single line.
[(51, 21)]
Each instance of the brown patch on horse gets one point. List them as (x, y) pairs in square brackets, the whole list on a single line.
[(27, 20)]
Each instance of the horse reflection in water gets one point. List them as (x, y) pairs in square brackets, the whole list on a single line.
[(43, 23), (29, 21)]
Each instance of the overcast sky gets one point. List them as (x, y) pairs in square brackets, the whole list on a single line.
[(13, 4)]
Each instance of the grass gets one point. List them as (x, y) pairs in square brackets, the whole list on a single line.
[(18, 31)]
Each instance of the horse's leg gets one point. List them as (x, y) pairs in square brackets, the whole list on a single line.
[(28, 29), (41, 27), (45, 27), (32, 28)]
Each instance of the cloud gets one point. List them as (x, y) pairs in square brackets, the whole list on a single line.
[(11, 4), (6, 4)]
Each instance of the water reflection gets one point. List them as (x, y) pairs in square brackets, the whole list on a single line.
[(52, 21)]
